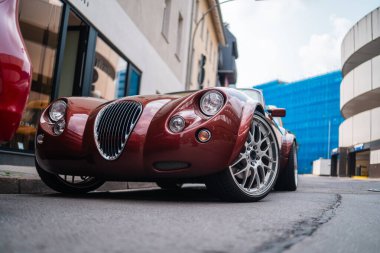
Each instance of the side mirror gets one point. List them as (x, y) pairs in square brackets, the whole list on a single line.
[(277, 112)]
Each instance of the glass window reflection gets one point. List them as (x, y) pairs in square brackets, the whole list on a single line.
[(108, 81), (39, 24)]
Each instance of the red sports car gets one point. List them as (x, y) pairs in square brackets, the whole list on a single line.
[(15, 70), (223, 137)]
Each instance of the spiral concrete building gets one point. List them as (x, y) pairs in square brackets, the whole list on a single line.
[(359, 134)]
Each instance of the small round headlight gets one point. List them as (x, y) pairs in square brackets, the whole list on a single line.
[(177, 124), (57, 110), (211, 102), (59, 127)]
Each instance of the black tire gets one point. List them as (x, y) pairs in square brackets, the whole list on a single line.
[(288, 178), (58, 184), (226, 186), (169, 185)]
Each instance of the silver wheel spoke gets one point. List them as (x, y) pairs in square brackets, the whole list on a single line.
[(266, 149), (241, 171), (253, 177), (246, 174), (238, 160), (265, 138), (258, 180)]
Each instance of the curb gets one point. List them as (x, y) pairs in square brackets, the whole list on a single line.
[(11, 185)]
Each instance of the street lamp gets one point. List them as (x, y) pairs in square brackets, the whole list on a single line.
[(192, 38)]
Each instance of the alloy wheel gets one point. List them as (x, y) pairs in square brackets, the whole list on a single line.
[(256, 168)]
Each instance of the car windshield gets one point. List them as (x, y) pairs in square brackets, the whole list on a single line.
[(254, 94), (182, 93)]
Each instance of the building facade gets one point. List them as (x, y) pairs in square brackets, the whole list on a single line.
[(359, 134), (110, 49), (312, 113), (166, 24), (207, 35)]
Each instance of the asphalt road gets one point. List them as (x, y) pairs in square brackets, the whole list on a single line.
[(324, 215)]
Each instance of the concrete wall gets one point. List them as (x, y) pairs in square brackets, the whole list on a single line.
[(361, 84), (157, 73), (361, 128), (360, 88), (362, 33)]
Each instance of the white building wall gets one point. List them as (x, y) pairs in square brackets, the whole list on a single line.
[(363, 31), (376, 23), (375, 124), (360, 88), (362, 78), (125, 35), (374, 157), (376, 72), (347, 89), (348, 46), (345, 133), (361, 128), (359, 85)]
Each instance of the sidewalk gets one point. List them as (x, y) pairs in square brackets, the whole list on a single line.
[(25, 180)]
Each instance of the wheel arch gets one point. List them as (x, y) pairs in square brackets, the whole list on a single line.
[(259, 108)]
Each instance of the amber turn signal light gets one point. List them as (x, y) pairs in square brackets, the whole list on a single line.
[(204, 135)]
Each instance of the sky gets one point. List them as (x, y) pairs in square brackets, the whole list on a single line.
[(290, 40)]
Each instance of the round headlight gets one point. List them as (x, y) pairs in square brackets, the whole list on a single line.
[(176, 124), (59, 127), (57, 110), (211, 102)]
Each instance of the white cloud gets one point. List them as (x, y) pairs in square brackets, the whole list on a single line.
[(255, 25), (322, 53), (290, 39)]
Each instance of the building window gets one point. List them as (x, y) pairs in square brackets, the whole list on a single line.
[(108, 81), (166, 19), (120, 88), (40, 22), (134, 78), (72, 70), (179, 36)]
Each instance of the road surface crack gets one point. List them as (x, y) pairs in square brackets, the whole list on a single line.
[(300, 230)]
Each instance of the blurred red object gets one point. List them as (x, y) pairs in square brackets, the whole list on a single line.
[(15, 70)]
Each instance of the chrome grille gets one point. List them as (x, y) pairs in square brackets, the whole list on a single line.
[(113, 125)]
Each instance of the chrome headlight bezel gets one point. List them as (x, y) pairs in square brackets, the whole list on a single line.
[(210, 109), (57, 110)]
